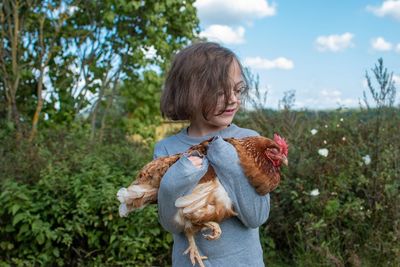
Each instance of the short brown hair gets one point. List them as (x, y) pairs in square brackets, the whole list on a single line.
[(197, 73)]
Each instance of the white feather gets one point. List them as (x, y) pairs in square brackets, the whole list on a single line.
[(123, 210), (196, 205), (122, 194), (222, 195), (133, 192), (200, 192)]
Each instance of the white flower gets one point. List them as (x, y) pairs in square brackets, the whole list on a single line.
[(314, 192), (341, 119), (325, 142), (367, 159), (323, 152), (338, 125), (326, 126), (314, 131), (343, 138)]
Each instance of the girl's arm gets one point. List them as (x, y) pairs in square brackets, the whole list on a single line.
[(179, 180), (252, 208)]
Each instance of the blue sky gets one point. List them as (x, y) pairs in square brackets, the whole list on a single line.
[(320, 49)]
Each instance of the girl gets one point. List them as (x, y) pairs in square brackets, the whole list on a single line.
[(205, 85)]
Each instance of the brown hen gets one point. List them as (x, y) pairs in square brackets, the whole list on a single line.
[(209, 203)]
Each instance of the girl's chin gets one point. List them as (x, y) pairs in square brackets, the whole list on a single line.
[(224, 120)]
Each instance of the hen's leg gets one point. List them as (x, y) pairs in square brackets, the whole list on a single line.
[(193, 251), (215, 230)]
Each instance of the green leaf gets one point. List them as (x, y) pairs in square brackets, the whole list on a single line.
[(19, 217), (109, 16), (14, 209), (56, 252), (112, 238), (40, 238), (24, 228)]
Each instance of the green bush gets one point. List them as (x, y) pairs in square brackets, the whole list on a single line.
[(59, 205), (68, 216), (354, 217)]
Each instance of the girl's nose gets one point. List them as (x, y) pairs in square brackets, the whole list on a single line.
[(234, 98)]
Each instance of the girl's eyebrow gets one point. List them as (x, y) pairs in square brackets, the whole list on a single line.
[(239, 83)]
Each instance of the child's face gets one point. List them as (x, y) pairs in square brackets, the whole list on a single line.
[(219, 121)]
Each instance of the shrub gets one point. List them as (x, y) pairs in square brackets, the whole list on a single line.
[(339, 209), (69, 214)]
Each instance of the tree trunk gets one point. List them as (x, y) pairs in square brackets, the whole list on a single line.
[(94, 113), (108, 107), (39, 106)]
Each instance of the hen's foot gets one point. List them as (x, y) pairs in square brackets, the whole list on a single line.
[(215, 230), (194, 253)]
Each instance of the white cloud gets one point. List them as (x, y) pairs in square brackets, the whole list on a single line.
[(397, 49), (230, 12), (331, 93), (327, 99), (224, 34), (396, 79), (334, 42), (389, 8), (364, 83), (262, 63), (381, 44)]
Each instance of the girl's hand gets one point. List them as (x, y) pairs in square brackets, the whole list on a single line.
[(196, 161)]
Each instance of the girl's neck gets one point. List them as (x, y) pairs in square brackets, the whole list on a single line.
[(195, 130)]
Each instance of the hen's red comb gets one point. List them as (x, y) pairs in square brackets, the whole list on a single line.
[(282, 143)]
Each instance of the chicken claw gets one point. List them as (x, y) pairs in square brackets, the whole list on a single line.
[(215, 230), (194, 252)]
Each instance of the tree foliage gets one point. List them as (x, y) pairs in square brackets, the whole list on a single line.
[(61, 59)]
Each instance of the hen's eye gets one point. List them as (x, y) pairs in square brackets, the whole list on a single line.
[(274, 151)]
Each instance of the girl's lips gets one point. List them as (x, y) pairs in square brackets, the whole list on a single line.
[(229, 111)]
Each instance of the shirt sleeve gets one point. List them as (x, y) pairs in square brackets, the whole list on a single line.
[(252, 208), (179, 180)]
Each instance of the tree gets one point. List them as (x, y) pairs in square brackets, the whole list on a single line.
[(79, 51), (13, 17)]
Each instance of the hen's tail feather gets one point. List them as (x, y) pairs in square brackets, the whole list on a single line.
[(135, 197), (123, 210)]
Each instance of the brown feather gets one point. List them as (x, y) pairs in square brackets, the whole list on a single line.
[(209, 203)]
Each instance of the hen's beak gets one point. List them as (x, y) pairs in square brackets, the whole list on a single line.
[(285, 160)]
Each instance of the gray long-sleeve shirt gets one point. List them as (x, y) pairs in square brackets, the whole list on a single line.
[(239, 244)]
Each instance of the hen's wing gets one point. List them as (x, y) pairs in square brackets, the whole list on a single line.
[(262, 175)]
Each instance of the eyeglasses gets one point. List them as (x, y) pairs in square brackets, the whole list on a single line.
[(237, 91)]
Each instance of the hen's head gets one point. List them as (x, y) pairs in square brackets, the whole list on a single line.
[(278, 152)]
